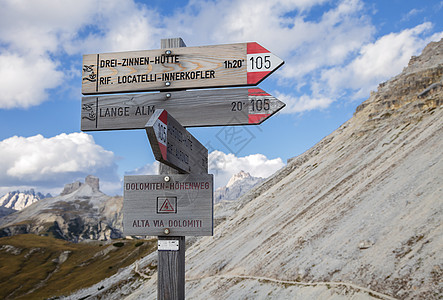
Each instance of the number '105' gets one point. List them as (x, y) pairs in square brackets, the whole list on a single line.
[(255, 105), (260, 62)]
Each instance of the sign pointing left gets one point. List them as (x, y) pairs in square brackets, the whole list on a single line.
[(174, 146)]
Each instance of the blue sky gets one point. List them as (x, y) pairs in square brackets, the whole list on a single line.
[(335, 53)]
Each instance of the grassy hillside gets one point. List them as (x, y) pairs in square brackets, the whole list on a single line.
[(39, 267)]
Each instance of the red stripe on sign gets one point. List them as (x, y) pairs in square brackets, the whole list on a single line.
[(257, 92), (256, 77), (254, 48), (257, 118), (164, 117), (163, 150)]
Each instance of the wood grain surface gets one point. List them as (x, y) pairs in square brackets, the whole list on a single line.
[(195, 108), (176, 68)]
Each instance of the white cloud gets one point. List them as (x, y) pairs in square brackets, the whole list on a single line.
[(53, 162), (148, 169), (25, 80), (413, 12), (376, 62), (303, 103), (111, 188), (38, 36), (223, 166), (40, 27), (283, 26), (33, 33), (120, 26)]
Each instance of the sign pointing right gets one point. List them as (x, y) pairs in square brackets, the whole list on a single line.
[(242, 64), (240, 106)]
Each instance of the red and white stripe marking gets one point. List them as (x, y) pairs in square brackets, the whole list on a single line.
[(255, 117), (161, 132), (260, 62)]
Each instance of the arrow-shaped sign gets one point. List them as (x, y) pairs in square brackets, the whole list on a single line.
[(243, 106), (174, 146), (241, 64)]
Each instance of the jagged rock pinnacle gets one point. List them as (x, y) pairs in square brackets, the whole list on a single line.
[(90, 180), (93, 182)]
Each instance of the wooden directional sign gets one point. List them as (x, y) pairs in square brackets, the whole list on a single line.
[(174, 146), (177, 68), (181, 204), (241, 106)]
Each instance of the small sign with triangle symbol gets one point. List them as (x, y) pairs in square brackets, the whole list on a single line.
[(166, 205)]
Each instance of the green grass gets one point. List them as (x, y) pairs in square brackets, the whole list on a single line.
[(37, 266)]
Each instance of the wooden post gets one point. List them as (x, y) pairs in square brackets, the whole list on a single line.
[(172, 43), (171, 263), (171, 271)]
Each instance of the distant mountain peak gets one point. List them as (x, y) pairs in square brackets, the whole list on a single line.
[(238, 185), (242, 175), (17, 200)]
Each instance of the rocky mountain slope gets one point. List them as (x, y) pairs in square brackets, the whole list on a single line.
[(359, 215), (238, 185), (17, 200), (4, 211), (80, 212)]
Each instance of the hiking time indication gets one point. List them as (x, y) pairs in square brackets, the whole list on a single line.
[(242, 64)]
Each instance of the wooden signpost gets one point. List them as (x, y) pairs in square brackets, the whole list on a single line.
[(173, 205), (230, 65), (241, 106), (174, 146)]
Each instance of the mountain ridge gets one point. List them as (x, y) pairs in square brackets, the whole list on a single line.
[(18, 200), (80, 212)]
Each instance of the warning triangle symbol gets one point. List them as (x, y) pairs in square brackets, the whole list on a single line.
[(167, 206)]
